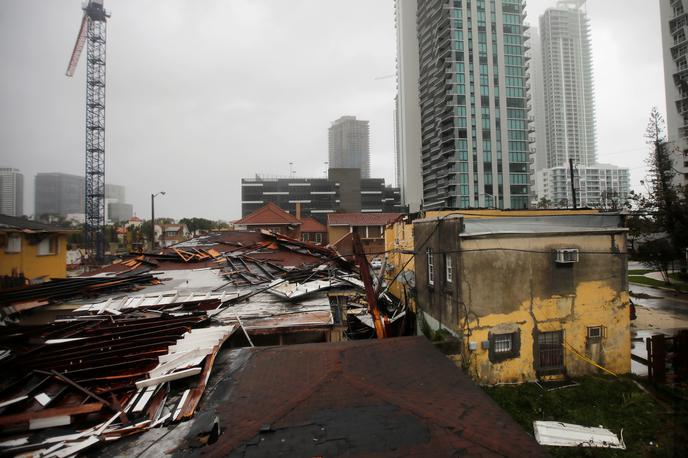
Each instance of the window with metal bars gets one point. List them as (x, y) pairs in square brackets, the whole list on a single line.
[(504, 346)]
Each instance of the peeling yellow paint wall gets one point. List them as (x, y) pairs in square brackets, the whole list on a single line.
[(33, 265), (399, 237), (505, 288)]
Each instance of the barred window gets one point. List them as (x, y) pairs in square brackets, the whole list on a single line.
[(503, 343)]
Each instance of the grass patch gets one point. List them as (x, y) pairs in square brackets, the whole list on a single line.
[(640, 279), (639, 271), (614, 403)]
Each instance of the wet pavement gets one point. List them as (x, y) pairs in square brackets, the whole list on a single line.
[(663, 300), (660, 300)]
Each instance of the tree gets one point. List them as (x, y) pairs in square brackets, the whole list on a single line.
[(662, 213), (545, 203), (197, 224)]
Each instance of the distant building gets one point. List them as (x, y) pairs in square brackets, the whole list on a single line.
[(564, 69), (349, 144), (674, 16), (343, 191), (313, 231), (370, 227), (119, 212), (599, 186), (32, 249), (171, 234), (564, 302), (568, 83), (58, 195), (271, 217), (11, 192)]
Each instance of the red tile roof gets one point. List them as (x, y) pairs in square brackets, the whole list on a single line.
[(270, 214), (312, 225), (392, 397), (361, 219)]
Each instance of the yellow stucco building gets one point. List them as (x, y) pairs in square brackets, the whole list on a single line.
[(528, 297), (32, 249)]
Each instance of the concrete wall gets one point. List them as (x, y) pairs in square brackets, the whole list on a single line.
[(512, 284), (349, 188)]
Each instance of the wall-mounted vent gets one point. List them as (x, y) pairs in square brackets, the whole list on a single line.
[(567, 256)]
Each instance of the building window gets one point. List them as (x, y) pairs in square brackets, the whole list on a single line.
[(595, 333), (13, 244), (448, 264), (431, 268), (318, 237), (47, 246), (304, 237), (504, 346), (503, 343)]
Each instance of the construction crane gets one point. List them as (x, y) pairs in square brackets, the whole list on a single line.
[(93, 31)]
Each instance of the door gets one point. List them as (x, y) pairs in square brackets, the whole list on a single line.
[(550, 358)]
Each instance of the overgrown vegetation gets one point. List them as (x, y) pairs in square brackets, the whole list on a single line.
[(649, 428), (659, 218)]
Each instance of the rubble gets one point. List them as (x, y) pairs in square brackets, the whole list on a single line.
[(113, 364)]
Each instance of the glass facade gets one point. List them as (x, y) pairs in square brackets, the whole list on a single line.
[(474, 102)]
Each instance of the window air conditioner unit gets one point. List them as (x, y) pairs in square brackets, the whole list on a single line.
[(567, 256)]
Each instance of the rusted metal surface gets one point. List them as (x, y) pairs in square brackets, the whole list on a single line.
[(355, 399)]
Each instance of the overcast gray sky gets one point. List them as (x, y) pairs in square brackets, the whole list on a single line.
[(202, 93)]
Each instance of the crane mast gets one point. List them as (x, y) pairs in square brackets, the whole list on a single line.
[(93, 33)]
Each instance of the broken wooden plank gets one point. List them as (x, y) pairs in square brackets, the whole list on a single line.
[(168, 377), (25, 417)]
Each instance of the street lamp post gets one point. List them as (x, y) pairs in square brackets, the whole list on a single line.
[(153, 217)]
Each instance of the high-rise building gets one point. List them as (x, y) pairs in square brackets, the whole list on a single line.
[(567, 66), (598, 185), (11, 192), (349, 144), (538, 112), (472, 94), (407, 116), (61, 195), (674, 16), (564, 68)]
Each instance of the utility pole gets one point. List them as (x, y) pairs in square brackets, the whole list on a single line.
[(573, 185), (153, 218)]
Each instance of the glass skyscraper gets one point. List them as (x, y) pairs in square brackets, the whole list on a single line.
[(473, 98)]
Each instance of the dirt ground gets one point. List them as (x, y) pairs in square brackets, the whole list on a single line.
[(657, 319)]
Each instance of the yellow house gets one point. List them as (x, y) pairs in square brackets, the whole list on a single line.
[(528, 297), (32, 249), (399, 243)]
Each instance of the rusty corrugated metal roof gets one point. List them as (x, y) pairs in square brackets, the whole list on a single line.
[(394, 397)]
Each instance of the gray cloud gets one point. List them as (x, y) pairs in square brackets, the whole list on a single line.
[(203, 93)]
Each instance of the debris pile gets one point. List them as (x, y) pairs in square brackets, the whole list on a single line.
[(117, 365)]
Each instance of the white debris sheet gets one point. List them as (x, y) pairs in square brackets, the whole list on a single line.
[(156, 299), (560, 434)]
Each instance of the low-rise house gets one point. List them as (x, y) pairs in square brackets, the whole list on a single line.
[(171, 234), (313, 231), (272, 218), (370, 227), (32, 249), (528, 297)]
